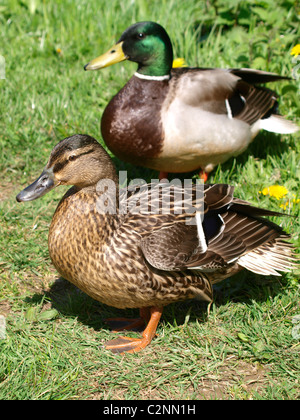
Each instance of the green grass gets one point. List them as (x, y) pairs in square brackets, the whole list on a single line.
[(243, 347)]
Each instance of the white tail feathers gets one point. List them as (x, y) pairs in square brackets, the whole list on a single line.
[(277, 124), (269, 259)]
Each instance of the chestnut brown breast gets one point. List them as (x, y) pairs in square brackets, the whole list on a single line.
[(131, 123)]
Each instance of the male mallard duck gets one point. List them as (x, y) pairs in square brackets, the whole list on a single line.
[(148, 259), (183, 119)]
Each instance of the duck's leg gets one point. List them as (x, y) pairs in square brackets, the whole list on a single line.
[(132, 345), (120, 324), (163, 175), (203, 175)]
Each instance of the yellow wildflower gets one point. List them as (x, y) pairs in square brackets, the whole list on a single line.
[(296, 50), (284, 205), (290, 203), (179, 62), (276, 191)]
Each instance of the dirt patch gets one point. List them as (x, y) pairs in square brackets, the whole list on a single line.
[(235, 379)]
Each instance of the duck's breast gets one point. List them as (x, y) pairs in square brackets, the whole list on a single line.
[(131, 124)]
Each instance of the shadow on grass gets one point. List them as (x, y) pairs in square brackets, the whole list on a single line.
[(243, 287), (264, 145)]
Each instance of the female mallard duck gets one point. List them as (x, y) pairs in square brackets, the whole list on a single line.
[(183, 119), (142, 259)]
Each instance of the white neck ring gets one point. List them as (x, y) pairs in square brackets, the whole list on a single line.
[(157, 78)]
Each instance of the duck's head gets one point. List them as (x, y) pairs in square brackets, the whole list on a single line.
[(78, 160), (146, 43)]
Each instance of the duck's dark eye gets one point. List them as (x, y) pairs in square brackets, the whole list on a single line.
[(140, 35), (72, 157)]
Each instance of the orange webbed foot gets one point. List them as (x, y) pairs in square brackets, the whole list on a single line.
[(123, 345), (203, 175), (131, 345)]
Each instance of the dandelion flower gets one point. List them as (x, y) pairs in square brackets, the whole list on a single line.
[(180, 62), (276, 191), (296, 50)]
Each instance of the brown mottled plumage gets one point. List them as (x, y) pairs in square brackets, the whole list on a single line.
[(137, 259)]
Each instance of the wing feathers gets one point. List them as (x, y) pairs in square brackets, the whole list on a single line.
[(233, 92), (254, 76), (256, 104), (233, 233)]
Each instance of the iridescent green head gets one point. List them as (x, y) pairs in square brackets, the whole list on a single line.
[(147, 44)]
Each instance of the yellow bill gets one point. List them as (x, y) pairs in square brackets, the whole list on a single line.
[(112, 56)]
